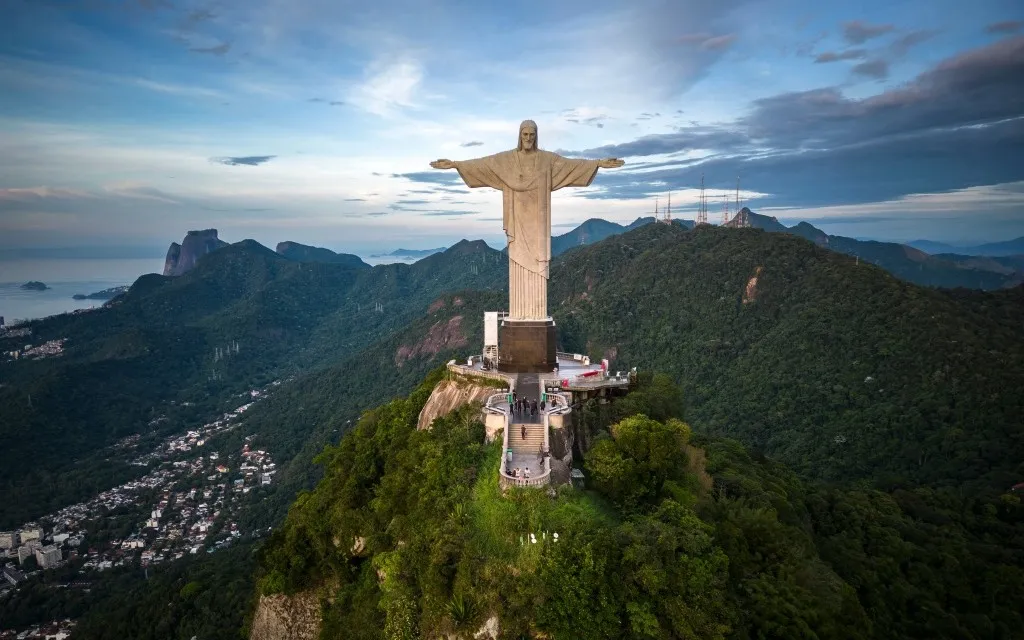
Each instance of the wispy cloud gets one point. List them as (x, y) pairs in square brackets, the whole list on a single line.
[(1004, 27), (236, 161), (832, 56), (857, 32), (472, 143), (877, 69), (388, 86), (216, 50)]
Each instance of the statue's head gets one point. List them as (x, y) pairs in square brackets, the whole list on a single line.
[(527, 136)]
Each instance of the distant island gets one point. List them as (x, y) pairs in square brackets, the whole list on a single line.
[(106, 294), (34, 285), (410, 253)]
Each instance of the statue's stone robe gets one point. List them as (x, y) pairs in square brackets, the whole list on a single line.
[(526, 180)]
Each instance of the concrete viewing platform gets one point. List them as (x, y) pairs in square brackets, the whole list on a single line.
[(575, 373), (540, 402)]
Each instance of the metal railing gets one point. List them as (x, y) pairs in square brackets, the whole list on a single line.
[(463, 370), (537, 481), (498, 403)]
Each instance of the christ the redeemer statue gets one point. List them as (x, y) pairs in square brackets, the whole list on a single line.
[(526, 177)]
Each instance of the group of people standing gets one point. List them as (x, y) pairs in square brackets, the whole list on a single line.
[(522, 406)]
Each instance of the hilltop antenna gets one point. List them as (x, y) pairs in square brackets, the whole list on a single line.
[(668, 209), (702, 212), (725, 210), (655, 207), (737, 194)]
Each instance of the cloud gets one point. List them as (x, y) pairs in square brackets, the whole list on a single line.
[(857, 32), (450, 178), (355, 199), (903, 44), (1006, 26), (830, 56), (472, 143), (877, 69), (236, 161), (956, 125), (216, 50), (34, 194), (388, 87), (143, 192), (693, 138), (332, 103), (196, 17), (718, 43)]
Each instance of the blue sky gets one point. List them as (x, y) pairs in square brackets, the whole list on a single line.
[(126, 122)]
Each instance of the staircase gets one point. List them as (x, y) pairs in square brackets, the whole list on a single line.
[(533, 443)]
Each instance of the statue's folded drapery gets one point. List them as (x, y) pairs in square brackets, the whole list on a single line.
[(526, 180)]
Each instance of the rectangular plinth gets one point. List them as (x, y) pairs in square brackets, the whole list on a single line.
[(526, 346)]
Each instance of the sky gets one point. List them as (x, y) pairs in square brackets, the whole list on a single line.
[(125, 123)]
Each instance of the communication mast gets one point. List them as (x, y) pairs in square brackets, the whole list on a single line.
[(725, 210), (702, 211), (737, 194), (668, 209)]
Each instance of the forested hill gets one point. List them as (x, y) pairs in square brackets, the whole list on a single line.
[(676, 536), (839, 369), (148, 362)]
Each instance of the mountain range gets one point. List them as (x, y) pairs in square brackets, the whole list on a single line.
[(870, 422), (1013, 247), (989, 266)]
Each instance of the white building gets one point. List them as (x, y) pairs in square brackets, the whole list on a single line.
[(31, 532), (26, 550), (9, 539), (48, 556)]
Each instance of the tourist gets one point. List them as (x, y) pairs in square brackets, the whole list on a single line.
[(523, 431), (526, 473)]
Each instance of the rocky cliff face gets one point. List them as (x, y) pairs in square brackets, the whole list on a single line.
[(182, 257), (448, 396), (281, 617)]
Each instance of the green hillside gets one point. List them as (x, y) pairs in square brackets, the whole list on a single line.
[(875, 429), (678, 537), (155, 348), (840, 370)]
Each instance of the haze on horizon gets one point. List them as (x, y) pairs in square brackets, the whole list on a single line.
[(126, 123)]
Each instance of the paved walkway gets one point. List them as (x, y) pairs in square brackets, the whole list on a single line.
[(527, 386), (525, 452)]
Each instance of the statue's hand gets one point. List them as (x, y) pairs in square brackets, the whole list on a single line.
[(610, 163), (442, 164)]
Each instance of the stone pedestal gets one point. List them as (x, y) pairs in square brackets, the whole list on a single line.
[(526, 346)]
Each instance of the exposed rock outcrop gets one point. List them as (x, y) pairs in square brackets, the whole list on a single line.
[(281, 617), (182, 257), (306, 253), (750, 293), (442, 335), (448, 396)]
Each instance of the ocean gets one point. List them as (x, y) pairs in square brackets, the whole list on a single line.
[(67, 277), (64, 278)]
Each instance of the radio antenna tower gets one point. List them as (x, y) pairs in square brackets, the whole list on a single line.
[(668, 209), (702, 212), (725, 210), (655, 207), (737, 194)]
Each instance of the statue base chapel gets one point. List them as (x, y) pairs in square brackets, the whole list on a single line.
[(526, 176)]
